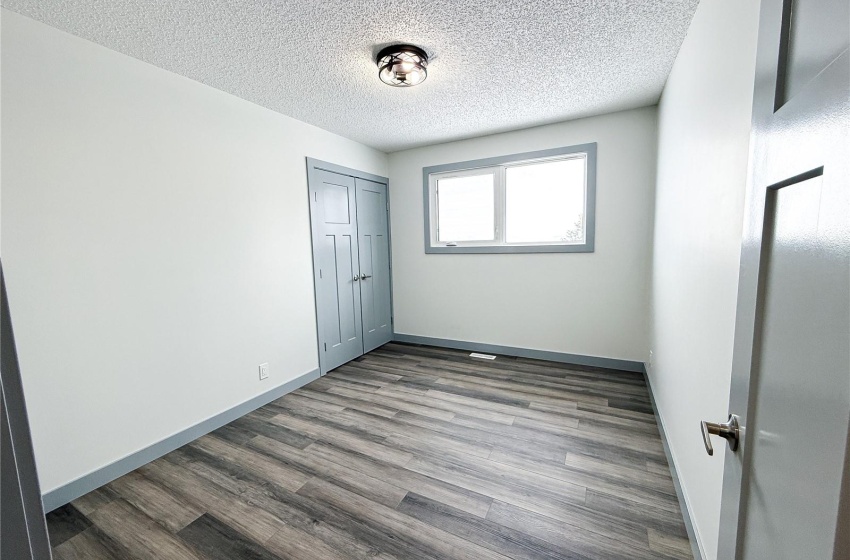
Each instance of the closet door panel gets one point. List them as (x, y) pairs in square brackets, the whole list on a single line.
[(374, 251), (333, 213)]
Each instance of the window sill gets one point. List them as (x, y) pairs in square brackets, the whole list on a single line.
[(492, 249)]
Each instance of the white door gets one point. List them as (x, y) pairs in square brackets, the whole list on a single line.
[(791, 368)]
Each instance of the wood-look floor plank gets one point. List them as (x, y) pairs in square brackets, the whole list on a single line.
[(596, 415), (274, 472), (536, 442), (436, 489), (400, 394), (258, 426), (387, 429), (508, 541), (346, 440), (347, 402), (660, 468), (664, 520), (621, 484), (65, 523), (210, 497), (143, 537), (296, 400), (559, 388), (155, 502), (639, 415), (634, 476), (217, 540), (91, 544), (598, 546), (400, 405), (670, 546), (518, 375), (93, 500), (314, 524), (421, 539), (291, 544), (377, 490), (408, 452), (508, 491)]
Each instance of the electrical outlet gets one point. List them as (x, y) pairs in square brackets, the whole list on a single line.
[(264, 371)]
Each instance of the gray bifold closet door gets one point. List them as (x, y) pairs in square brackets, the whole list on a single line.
[(351, 258)]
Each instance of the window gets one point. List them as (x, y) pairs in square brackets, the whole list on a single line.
[(535, 202)]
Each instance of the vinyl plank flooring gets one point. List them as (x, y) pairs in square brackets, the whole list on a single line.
[(143, 537), (496, 537), (363, 444), (217, 540), (93, 500), (206, 495), (437, 489), (256, 426), (398, 394), (421, 539), (155, 502), (278, 511), (673, 547), (273, 471), (350, 403), (66, 522), (377, 490), (665, 521), (91, 544), (401, 405), (291, 544), (590, 544), (406, 453), (625, 486)]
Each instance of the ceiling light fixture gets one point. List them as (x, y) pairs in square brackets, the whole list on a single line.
[(402, 65)]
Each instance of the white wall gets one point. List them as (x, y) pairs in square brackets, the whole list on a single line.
[(593, 304), (156, 243), (703, 146)]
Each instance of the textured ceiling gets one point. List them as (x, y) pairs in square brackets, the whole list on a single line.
[(497, 65)]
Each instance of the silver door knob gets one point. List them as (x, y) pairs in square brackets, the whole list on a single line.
[(730, 431), (365, 276), (356, 278)]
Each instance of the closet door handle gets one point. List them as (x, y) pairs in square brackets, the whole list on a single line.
[(356, 278), (365, 276)]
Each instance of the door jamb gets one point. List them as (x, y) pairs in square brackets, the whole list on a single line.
[(314, 165)]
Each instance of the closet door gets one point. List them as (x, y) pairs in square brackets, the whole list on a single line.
[(333, 213), (374, 249)]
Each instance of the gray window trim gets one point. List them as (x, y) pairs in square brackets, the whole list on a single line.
[(590, 211)]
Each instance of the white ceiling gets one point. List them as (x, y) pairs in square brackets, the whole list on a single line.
[(497, 65)]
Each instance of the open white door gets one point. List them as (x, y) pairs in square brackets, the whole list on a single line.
[(791, 369)]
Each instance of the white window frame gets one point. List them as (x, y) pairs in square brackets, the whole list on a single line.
[(498, 166)]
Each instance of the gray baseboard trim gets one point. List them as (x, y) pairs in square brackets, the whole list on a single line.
[(86, 483), (683, 503), (575, 359)]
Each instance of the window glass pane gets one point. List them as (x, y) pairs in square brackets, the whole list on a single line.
[(544, 202), (466, 208)]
